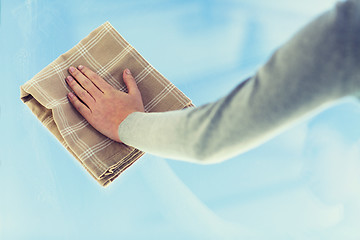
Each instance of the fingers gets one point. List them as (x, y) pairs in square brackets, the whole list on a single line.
[(80, 92), (130, 82), (85, 82), (100, 83), (80, 107)]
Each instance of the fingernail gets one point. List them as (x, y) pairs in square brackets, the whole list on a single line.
[(127, 71), (71, 69), (71, 95), (80, 67), (69, 78)]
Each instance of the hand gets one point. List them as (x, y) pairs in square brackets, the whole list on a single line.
[(103, 106)]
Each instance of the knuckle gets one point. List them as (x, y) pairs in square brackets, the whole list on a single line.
[(128, 77), (82, 94), (80, 108), (75, 72), (86, 84), (84, 69), (91, 73), (94, 76), (78, 105), (69, 80), (73, 83)]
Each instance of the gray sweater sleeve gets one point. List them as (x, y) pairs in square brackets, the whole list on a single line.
[(316, 67)]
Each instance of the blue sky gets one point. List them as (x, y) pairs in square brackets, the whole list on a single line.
[(303, 184)]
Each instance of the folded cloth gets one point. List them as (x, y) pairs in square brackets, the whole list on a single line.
[(107, 53)]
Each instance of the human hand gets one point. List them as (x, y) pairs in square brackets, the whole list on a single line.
[(103, 106)]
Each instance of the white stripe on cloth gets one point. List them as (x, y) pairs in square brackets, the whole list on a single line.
[(80, 143)]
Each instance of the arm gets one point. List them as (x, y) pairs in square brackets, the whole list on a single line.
[(316, 67)]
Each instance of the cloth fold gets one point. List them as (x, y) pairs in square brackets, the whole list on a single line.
[(107, 53)]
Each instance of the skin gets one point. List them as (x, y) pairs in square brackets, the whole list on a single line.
[(103, 106)]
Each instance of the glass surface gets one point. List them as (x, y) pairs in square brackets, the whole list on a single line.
[(303, 184)]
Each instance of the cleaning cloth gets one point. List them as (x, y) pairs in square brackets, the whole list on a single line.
[(107, 53)]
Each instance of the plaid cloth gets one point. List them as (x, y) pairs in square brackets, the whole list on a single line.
[(107, 53)]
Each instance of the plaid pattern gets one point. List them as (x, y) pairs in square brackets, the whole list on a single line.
[(107, 53)]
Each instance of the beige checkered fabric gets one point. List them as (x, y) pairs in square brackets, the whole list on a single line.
[(106, 52)]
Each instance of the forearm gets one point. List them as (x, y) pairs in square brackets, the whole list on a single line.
[(316, 67)]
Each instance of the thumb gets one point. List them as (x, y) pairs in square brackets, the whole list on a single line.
[(130, 82)]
